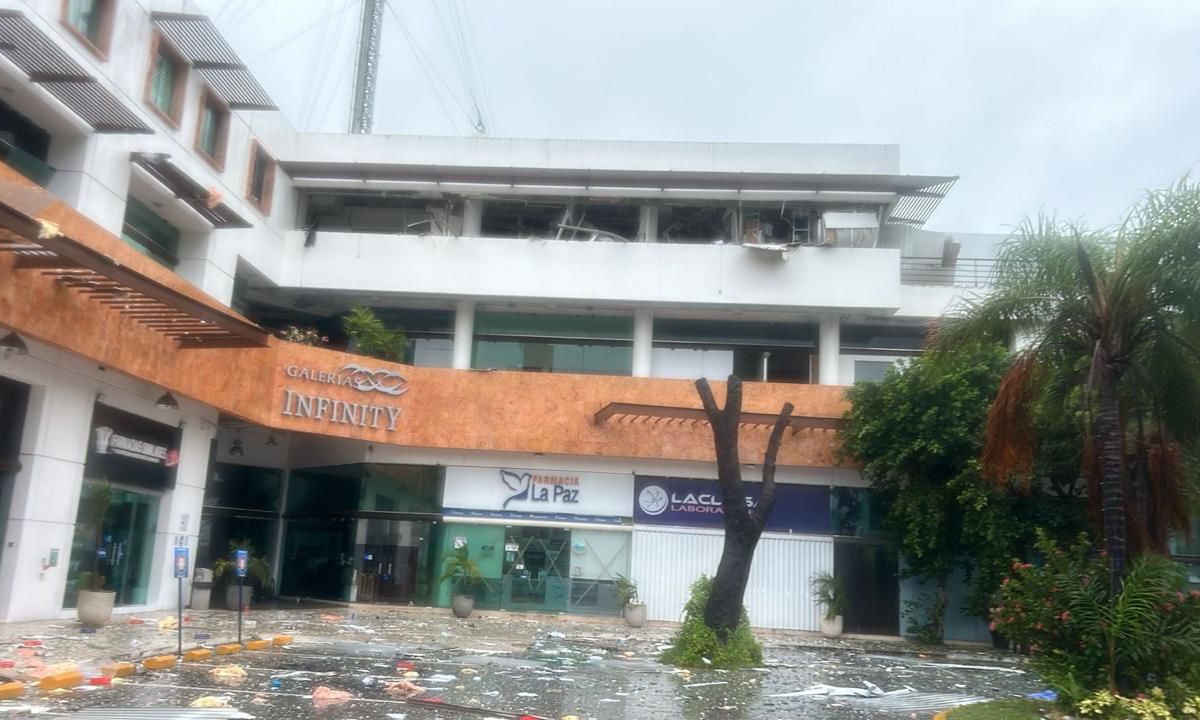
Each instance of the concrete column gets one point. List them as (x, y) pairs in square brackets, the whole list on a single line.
[(472, 218), (464, 335), (92, 176), (648, 223), (643, 342), (829, 343)]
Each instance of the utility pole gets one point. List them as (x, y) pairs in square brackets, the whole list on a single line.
[(366, 67)]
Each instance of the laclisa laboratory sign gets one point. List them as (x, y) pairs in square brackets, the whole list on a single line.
[(318, 405)]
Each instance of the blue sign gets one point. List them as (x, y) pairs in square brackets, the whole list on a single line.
[(241, 559), (181, 562), (697, 503)]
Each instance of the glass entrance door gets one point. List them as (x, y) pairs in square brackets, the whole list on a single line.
[(393, 561), (536, 568), (114, 542)]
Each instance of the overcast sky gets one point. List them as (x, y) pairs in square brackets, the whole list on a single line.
[(1075, 106)]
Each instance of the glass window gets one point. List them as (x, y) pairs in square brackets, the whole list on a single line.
[(113, 547), (210, 133), (1182, 545), (146, 231), (856, 512), (871, 370), (243, 487), (87, 16), (163, 81), (262, 179), (349, 489)]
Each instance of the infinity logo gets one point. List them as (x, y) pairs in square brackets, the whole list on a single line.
[(367, 380)]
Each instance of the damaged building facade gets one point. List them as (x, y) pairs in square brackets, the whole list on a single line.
[(164, 229)]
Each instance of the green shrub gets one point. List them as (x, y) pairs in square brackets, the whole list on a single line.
[(696, 645), (371, 337), (1084, 638), (1153, 705)]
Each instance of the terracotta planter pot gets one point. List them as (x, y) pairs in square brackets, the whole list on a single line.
[(95, 607), (462, 605), (635, 614), (831, 628)]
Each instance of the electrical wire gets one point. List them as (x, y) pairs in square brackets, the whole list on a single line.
[(299, 33), (316, 69), (426, 66), (487, 100), (328, 68)]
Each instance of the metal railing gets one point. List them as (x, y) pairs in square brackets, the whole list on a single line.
[(965, 272)]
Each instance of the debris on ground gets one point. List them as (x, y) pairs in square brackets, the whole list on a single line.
[(324, 697), (169, 622), (403, 689), (228, 674), (211, 701)]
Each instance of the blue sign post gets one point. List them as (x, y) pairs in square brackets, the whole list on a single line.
[(241, 560), (181, 571)]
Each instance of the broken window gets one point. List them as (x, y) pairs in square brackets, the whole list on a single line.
[(694, 223), (381, 213), (561, 220)]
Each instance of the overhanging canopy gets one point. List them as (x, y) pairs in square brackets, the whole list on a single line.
[(654, 414), (201, 44), (49, 66), (170, 176)]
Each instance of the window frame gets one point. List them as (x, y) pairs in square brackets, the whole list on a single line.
[(100, 46), (179, 92), (263, 203), (209, 99)]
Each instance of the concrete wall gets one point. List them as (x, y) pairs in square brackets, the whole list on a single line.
[(46, 491), (860, 279)]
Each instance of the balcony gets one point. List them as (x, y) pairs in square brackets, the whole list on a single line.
[(934, 271), (813, 278), (31, 167)]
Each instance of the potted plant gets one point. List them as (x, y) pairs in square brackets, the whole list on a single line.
[(95, 604), (258, 570), (627, 595), (830, 594), (463, 574)]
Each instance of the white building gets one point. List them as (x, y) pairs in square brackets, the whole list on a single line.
[(790, 265)]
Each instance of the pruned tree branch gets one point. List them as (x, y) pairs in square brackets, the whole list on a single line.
[(766, 501)]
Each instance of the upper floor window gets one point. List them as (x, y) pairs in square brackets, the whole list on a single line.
[(261, 181), (212, 129), (90, 21), (146, 231), (168, 76)]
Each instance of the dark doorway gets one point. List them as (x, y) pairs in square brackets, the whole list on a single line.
[(870, 572), (14, 399)]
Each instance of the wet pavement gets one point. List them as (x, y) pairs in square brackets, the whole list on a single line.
[(497, 665)]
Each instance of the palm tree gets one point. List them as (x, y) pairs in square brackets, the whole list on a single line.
[(1108, 326)]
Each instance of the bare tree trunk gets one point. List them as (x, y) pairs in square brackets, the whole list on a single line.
[(1112, 471), (743, 527)]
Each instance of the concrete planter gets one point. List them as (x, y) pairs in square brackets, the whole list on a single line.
[(95, 607), (635, 614), (831, 628), (231, 596), (462, 605)]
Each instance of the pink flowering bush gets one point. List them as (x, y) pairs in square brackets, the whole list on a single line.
[(1083, 637)]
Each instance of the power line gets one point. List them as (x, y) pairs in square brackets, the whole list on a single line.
[(294, 36), (426, 66)]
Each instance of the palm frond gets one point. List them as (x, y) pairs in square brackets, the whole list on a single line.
[(1009, 437)]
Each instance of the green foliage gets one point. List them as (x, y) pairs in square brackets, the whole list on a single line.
[(92, 581), (1106, 315), (1153, 705), (627, 590), (1001, 710), (462, 572), (257, 567), (303, 335), (696, 645), (371, 337), (926, 617), (1086, 638), (830, 593)]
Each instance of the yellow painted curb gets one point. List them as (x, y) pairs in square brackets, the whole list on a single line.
[(229, 649), (59, 680), (11, 690), (942, 715), (283, 640), (258, 644), (118, 669), (197, 655), (160, 662)]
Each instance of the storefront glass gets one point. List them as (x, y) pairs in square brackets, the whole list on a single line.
[(543, 568), (241, 505), (114, 539), (362, 533)]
